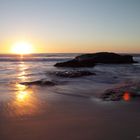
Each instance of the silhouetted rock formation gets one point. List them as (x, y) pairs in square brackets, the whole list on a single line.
[(105, 57), (75, 63), (39, 83), (89, 60), (73, 74)]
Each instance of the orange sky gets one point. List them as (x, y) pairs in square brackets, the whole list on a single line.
[(40, 46), (75, 26)]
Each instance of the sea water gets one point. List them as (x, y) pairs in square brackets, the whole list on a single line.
[(15, 69)]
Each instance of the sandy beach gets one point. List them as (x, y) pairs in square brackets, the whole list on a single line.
[(54, 116)]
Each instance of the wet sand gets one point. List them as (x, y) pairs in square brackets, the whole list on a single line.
[(51, 116)]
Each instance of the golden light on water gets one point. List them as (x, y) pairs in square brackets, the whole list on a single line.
[(20, 87), (22, 48), (25, 102), (22, 72), (22, 96), (22, 93)]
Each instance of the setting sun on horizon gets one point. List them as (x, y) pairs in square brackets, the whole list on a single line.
[(22, 48)]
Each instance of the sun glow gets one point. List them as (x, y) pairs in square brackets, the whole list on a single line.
[(22, 48)]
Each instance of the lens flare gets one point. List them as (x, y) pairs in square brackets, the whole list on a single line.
[(126, 96)]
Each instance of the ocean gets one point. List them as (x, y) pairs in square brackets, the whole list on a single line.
[(16, 69)]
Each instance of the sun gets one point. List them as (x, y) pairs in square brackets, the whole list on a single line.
[(22, 48)]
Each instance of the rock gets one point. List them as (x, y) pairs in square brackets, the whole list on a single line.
[(121, 93), (73, 74), (75, 63), (89, 60), (112, 96), (106, 58), (39, 83)]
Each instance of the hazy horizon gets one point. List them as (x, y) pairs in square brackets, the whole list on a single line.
[(76, 26)]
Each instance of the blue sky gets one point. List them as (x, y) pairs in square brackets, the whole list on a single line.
[(72, 25)]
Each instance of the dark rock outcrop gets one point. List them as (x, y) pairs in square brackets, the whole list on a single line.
[(122, 93), (89, 60), (106, 58), (39, 83), (75, 64), (73, 74)]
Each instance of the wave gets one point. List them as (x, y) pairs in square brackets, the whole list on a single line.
[(32, 59), (43, 57), (36, 57)]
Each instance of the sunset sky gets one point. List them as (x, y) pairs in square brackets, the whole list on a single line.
[(53, 26)]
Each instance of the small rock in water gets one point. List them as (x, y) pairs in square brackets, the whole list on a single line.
[(111, 96)]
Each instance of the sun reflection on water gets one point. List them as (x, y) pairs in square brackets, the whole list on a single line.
[(22, 71), (22, 96), (25, 102), (20, 87)]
